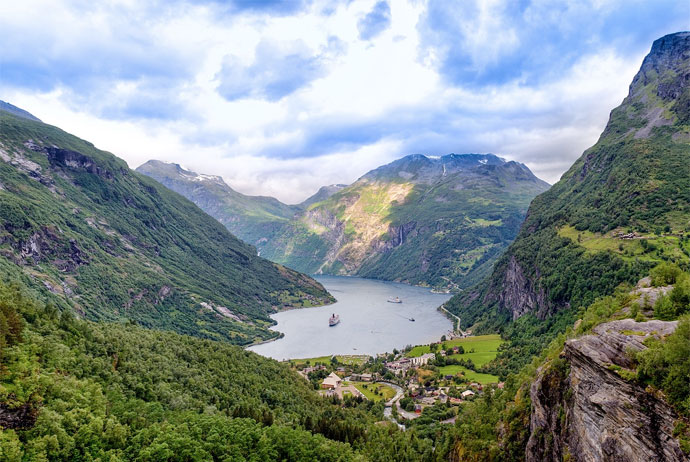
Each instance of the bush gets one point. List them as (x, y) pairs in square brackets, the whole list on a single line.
[(666, 365), (665, 274)]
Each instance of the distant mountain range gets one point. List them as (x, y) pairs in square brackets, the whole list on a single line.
[(436, 221), (87, 232)]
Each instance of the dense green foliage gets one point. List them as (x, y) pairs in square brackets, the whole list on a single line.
[(75, 390), (114, 244), (666, 365)]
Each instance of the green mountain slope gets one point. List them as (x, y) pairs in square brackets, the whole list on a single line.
[(431, 221), (322, 194), (114, 244), (251, 218), (621, 208)]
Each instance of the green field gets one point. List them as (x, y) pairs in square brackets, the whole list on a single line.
[(654, 247), (387, 391), (480, 349), (349, 360), (485, 348), (470, 375)]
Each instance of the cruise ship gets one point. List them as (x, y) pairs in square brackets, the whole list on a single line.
[(333, 320)]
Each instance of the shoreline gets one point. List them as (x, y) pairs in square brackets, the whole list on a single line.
[(431, 289), (263, 341), (282, 334)]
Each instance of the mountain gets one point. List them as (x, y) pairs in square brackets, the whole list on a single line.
[(620, 209), (439, 221), (322, 194), (251, 218), (112, 244)]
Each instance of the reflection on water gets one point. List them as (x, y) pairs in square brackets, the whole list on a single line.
[(369, 324)]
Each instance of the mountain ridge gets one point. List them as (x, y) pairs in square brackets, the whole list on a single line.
[(112, 244)]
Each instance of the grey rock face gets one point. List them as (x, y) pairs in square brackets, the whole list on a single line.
[(518, 294), (670, 52), (585, 410)]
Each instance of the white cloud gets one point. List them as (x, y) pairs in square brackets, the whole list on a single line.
[(307, 101)]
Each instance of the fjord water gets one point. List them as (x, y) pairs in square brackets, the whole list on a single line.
[(369, 324)]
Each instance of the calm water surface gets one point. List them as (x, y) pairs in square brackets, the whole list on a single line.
[(368, 323)]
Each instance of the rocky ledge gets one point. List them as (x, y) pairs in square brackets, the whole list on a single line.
[(583, 409)]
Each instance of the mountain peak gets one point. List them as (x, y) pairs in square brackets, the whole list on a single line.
[(667, 62), (420, 168), (173, 170)]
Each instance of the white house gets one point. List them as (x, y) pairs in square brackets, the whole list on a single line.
[(332, 381), (467, 393), (422, 360)]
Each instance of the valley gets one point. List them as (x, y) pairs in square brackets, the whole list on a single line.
[(439, 308)]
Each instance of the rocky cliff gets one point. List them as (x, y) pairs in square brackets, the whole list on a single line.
[(585, 409)]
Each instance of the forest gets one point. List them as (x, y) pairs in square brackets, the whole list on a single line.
[(76, 390)]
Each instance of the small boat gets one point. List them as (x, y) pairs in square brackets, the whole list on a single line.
[(412, 319), (394, 300), (333, 320)]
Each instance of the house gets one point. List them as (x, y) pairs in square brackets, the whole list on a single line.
[(417, 408), (361, 377), (422, 360), (428, 400), (332, 381), (454, 400), (467, 393), (307, 370), (442, 398)]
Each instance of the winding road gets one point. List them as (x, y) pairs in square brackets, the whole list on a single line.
[(395, 401)]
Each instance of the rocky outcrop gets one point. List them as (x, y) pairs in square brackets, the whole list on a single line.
[(584, 409), (75, 160), (518, 292), (19, 418)]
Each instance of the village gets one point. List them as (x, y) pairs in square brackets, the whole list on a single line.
[(419, 380)]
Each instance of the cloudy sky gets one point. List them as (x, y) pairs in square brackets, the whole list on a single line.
[(280, 97)]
